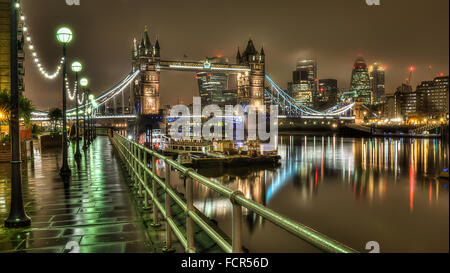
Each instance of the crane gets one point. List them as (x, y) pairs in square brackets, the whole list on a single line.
[(411, 70), (430, 68)]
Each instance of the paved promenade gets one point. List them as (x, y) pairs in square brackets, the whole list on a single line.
[(95, 209)]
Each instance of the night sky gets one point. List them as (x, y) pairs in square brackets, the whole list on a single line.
[(398, 34)]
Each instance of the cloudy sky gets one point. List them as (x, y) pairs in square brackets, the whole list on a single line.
[(398, 34)]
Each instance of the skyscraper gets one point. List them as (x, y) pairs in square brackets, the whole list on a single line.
[(301, 93), (377, 79), (306, 72), (360, 81), (303, 87), (213, 86), (327, 94)]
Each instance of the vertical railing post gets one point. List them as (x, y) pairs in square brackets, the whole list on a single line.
[(146, 201), (132, 163), (190, 207), (135, 151), (168, 205), (129, 159), (237, 224), (155, 194), (128, 147), (139, 176)]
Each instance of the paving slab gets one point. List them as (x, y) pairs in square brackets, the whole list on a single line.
[(95, 208)]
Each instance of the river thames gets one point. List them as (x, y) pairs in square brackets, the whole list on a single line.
[(354, 190)]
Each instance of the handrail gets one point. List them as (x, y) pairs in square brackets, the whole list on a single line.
[(135, 157)]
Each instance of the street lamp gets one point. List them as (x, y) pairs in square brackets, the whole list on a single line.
[(84, 83), (91, 138), (94, 107), (77, 67), (94, 132), (64, 36), (17, 217)]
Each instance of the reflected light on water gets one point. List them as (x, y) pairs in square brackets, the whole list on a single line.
[(382, 179)]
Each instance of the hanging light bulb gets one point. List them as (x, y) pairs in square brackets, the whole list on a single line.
[(32, 48)]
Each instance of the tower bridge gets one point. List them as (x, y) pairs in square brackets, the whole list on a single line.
[(254, 87)]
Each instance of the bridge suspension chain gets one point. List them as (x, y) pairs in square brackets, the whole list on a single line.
[(111, 93), (296, 107)]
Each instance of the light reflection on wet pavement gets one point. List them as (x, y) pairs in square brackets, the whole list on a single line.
[(95, 209)]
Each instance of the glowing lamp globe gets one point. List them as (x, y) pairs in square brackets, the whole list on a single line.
[(77, 67), (64, 35), (84, 82)]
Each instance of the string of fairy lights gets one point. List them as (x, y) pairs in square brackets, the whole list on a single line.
[(37, 62), (72, 94), (32, 48)]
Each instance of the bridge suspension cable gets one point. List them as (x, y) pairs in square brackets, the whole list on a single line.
[(278, 96), (111, 93)]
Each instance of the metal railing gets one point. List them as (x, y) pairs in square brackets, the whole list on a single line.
[(136, 156)]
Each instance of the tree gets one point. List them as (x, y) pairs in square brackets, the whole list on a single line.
[(25, 106), (55, 115)]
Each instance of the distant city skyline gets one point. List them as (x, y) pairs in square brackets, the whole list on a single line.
[(336, 35)]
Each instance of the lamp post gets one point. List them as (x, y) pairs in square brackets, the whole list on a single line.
[(17, 216), (64, 36), (93, 132), (91, 100), (88, 131), (77, 67), (84, 83)]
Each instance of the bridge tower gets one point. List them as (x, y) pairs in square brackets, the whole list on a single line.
[(358, 111), (146, 57), (251, 84)]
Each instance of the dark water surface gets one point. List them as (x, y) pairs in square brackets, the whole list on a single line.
[(354, 190)]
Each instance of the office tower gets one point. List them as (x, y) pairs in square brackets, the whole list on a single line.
[(303, 87), (327, 94), (377, 80), (360, 81), (433, 98), (213, 86)]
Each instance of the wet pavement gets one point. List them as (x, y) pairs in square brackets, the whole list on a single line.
[(95, 211)]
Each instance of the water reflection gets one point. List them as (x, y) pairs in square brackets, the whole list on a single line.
[(324, 179)]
